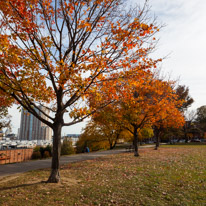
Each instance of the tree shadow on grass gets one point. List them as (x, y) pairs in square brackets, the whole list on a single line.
[(22, 185)]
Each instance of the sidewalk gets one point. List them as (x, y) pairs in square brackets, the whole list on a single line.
[(17, 168)]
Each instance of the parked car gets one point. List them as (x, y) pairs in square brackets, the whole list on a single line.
[(195, 140)]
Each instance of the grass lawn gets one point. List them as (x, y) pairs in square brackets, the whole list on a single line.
[(172, 175)]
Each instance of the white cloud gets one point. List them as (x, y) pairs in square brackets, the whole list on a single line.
[(184, 36)]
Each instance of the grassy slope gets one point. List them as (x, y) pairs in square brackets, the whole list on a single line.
[(170, 176)]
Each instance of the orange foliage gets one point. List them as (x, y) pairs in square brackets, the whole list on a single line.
[(142, 101), (35, 24), (63, 52)]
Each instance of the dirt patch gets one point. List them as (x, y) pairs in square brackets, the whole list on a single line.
[(65, 182)]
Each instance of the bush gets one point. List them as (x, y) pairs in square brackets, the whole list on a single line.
[(48, 148), (36, 149), (67, 148), (41, 149), (36, 155), (40, 152), (46, 154)]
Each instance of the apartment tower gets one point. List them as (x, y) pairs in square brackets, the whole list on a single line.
[(32, 128)]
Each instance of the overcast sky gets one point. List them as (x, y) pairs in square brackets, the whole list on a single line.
[(183, 37)]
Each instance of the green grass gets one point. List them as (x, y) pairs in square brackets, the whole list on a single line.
[(201, 144), (172, 175)]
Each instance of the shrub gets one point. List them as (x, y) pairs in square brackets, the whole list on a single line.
[(36, 155), (46, 154), (36, 149), (41, 149), (48, 148), (67, 148)]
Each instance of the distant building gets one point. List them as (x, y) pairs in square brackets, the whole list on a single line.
[(72, 137), (18, 132), (32, 128)]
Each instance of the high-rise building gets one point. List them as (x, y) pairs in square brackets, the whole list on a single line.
[(32, 128)]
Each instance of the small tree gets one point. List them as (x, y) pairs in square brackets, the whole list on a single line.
[(92, 137), (145, 133), (148, 104), (200, 119), (109, 124), (67, 147), (183, 94)]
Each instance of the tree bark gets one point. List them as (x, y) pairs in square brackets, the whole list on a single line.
[(156, 133), (112, 145), (185, 133), (55, 175), (157, 142), (136, 152)]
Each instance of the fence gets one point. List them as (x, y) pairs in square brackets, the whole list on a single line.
[(15, 155)]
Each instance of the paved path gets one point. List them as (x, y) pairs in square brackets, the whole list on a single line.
[(16, 168)]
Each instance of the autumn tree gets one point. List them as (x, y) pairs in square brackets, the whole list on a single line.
[(55, 53), (92, 137), (172, 119), (173, 116), (145, 133), (174, 126), (149, 104), (104, 129), (110, 123)]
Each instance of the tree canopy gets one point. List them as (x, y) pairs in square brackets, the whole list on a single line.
[(56, 53)]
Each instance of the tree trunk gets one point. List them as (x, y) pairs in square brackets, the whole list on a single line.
[(156, 133), (112, 145), (157, 142), (136, 152), (55, 176), (185, 134)]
